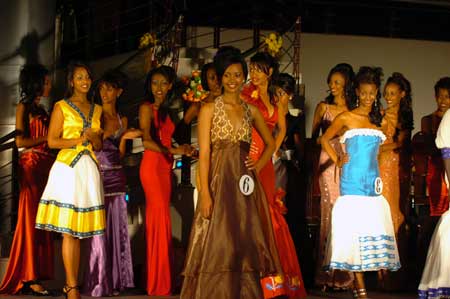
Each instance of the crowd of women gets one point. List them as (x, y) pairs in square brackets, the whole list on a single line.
[(240, 244)]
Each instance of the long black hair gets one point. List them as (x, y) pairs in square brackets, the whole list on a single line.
[(405, 115), (347, 72), (73, 65), (170, 75), (31, 82), (204, 75), (372, 75), (31, 86), (286, 82), (264, 61), (113, 77)]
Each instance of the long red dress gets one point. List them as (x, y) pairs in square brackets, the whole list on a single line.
[(31, 255), (295, 287), (437, 188), (155, 173)]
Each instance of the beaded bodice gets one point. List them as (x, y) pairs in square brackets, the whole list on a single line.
[(222, 129)]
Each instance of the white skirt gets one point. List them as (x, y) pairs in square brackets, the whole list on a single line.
[(72, 201), (435, 282), (362, 236)]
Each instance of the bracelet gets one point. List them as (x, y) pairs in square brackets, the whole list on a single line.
[(445, 153)]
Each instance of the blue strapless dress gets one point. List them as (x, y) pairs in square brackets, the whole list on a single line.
[(362, 236)]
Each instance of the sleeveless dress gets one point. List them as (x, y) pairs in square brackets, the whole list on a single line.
[(230, 252), (295, 287), (362, 235), (72, 202), (31, 255), (437, 189), (435, 282), (110, 265), (395, 172), (329, 192), (156, 180)]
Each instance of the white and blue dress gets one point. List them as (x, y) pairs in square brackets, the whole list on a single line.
[(435, 282), (362, 236)]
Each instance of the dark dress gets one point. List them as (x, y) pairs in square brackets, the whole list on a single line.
[(231, 252)]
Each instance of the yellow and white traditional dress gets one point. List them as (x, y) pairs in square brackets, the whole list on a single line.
[(72, 201)]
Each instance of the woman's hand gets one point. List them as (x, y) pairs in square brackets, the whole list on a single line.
[(184, 149), (132, 134), (252, 164), (344, 158), (206, 205)]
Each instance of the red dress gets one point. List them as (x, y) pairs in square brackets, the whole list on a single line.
[(155, 173), (31, 255), (295, 287)]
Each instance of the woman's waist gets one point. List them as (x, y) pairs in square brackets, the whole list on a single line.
[(230, 144)]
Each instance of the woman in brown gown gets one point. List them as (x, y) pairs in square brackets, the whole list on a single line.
[(232, 244), (340, 99), (395, 165)]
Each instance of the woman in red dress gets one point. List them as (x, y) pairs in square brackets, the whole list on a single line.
[(435, 175), (263, 68), (156, 177), (31, 256)]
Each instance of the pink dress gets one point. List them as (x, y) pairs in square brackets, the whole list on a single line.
[(329, 192)]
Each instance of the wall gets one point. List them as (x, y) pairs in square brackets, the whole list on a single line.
[(27, 36)]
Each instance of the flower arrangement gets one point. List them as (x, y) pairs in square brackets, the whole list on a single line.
[(195, 91), (273, 43), (147, 40)]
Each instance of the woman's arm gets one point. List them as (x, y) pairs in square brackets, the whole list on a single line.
[(145, 123), (281, 128), (128, 134), (191, 113), (55, 131), (21, 140), (318, 115), (336, 126), (404, 138), (263, 130), (204, 142)]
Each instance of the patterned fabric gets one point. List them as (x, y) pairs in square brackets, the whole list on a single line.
[(72, 201), (365, 241), (222, 129), (74, 124)]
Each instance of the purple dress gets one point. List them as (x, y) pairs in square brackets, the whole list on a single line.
[(110, 266)]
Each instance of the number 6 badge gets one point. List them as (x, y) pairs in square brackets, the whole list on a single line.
[(246, 184)]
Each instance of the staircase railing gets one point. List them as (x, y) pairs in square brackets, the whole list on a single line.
[(9, 186)]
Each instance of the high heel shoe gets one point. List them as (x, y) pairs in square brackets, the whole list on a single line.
[(67, 289), (28, 290), (362, 293)]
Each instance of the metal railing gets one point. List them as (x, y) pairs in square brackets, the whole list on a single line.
[(9, 184)]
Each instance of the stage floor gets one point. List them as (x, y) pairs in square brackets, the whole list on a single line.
[(313, 294)]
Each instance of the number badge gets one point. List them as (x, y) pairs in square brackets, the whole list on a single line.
[(246, 184), (378, 185)]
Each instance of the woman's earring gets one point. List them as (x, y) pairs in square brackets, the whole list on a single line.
[(357, 102)]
